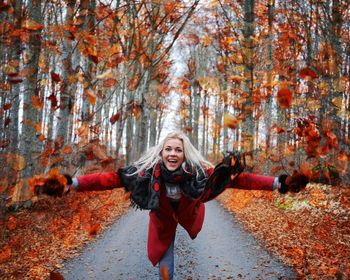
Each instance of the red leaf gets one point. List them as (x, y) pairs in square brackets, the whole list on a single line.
[(53, 100), (115, 118), (307, 72), (7, 106), (14, 79), (94, 58), (284, 97), (55, 77)]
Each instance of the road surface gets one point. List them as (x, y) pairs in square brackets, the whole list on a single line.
[(222, 250)]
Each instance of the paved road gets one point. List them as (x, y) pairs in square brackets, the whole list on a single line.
[(222, 250)]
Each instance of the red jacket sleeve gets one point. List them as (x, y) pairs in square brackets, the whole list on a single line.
[(253, 182), (99, 181)]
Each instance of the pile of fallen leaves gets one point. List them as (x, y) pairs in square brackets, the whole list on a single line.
[(309, 230), (35, 241)]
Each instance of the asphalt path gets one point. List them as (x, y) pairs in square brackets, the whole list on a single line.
[(222, 250)]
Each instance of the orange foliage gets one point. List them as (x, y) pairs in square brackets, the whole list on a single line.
[(284, 97)]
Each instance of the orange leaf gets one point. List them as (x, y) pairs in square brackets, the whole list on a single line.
[(91, 96), (164, 272), (133, 83), (67, 150), (231, 121), (284, 97), (37, 127), (136, 110), (37, 102)]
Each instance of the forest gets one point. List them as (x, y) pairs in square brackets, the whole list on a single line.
[(90, 85)]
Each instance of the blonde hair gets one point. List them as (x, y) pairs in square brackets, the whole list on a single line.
[(153, 155)]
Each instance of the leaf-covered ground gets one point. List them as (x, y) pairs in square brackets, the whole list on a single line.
[(35, 241), (309, 230)]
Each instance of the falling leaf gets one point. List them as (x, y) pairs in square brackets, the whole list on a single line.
[(7, 106), (14, 79), (99, 152), (284, 97), (206, 40), (53, 99), (236, 79), (37, 102), (67, 150), (27, 72), (337, 102), (91, 96), (164, 272), (55, 77), (31, 25), (105, 75), (136, 110), (110, 82), (307, 72), (15, 161), (133, 83), (280, 130), (231, 121), (94, 58), (115, 118)]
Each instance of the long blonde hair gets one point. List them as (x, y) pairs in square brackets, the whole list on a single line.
[(151, 157)]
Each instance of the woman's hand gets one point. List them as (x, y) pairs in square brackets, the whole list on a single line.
[(293, 183), (55, 186)]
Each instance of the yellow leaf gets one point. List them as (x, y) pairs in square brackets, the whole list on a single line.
[(206, 40), (337, 102), (31, 25), (105, 75)]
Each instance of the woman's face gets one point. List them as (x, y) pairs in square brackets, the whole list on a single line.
[(173, 154)]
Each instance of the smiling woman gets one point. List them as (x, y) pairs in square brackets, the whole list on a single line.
[(173, 181), (172, 154)]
